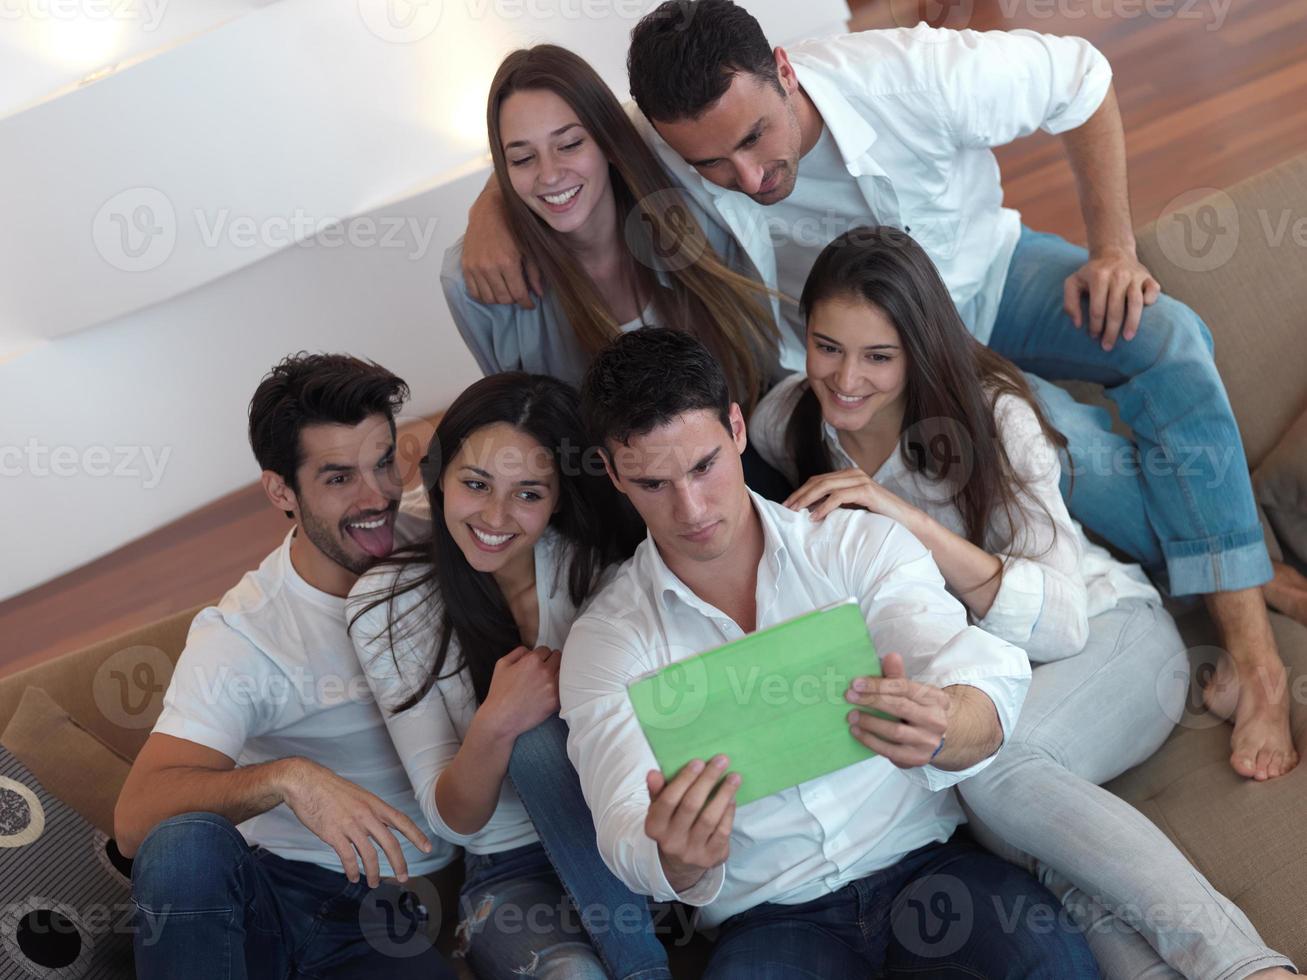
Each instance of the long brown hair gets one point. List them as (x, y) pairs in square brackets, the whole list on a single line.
[(726, 310), (597, 525), (953, 381)]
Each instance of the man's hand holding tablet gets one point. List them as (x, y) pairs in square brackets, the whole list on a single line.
[(690, 821), (924, 714)]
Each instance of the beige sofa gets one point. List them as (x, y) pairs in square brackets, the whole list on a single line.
[(1248, 838)]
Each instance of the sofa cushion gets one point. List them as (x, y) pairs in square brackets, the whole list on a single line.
[(71, 763), (114, 688), (1235, 256), (1281, 483), (65, 893), (1246, 837)]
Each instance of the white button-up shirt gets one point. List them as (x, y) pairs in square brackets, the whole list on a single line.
[(812, 839), (915, 113)]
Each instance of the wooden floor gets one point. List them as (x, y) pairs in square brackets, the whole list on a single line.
[(1207, 99), (192, 560)]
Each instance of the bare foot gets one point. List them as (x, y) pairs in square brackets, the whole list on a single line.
[(1256, 699), (1275, 971), (1287, 592)]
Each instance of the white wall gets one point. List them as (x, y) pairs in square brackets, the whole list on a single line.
[(127, 356)]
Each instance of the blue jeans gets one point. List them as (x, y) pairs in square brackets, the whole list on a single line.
[(617, 920), (945, 910), (1178, 499), (210, 906), (516, 919)]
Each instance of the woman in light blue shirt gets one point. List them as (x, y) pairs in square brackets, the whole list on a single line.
[(617, 243)]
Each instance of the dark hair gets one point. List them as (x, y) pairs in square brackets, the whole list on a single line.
[(952, 379), (646, 378), (316, 389), (473, 609), (727, 310), (684, 54)]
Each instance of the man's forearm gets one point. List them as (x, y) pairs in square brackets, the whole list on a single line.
[(490, 199), (237, 794), (974, 732), (1096, 151)]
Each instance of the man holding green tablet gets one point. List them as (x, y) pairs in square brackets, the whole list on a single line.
[(849, 874)]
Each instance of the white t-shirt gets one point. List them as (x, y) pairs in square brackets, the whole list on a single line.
[(648, 318), (270, 672), (825, 203)]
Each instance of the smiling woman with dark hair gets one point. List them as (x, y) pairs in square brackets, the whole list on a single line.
[(590, 206), (903, 413), (458, 637)]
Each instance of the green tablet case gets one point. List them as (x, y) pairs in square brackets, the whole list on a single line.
[(772, 701)]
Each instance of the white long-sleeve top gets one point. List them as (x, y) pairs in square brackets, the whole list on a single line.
[(1054, 578), (428, 735), (811, 839)]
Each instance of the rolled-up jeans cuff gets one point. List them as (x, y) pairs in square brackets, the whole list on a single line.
[(1265, 962), (1222, 564)]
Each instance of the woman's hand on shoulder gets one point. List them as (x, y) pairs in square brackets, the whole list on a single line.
[(523, 689), (849, 488)]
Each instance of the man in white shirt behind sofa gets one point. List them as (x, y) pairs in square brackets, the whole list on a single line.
[(847, 874)]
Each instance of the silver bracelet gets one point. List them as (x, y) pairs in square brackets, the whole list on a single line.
[(938, 749)]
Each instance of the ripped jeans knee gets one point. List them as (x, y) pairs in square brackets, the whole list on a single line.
[(524, 927)]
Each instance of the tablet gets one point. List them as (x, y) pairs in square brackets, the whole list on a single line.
[(772, 701)]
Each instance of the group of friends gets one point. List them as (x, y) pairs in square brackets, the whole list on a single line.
[(762, 341)]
